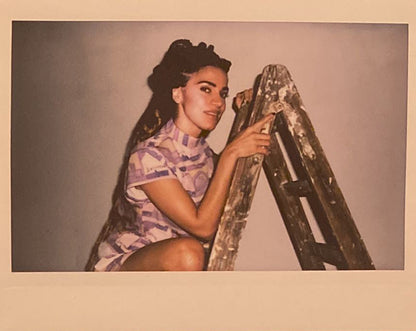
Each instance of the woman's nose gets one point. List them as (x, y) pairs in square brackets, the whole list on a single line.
[(218, 101)]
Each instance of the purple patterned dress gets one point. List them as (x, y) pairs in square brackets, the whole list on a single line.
[(170, 153)]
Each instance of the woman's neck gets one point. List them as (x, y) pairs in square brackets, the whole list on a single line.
[(187, 128)]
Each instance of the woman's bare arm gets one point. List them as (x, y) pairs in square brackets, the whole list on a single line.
[(171, 198)]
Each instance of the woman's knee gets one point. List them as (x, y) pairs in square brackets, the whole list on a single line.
[(188, 255), (181, 254)]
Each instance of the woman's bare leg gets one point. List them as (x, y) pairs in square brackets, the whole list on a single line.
[(178, 254)]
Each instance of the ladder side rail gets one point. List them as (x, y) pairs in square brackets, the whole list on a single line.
[(234, 218), (291, 208), (314, 203), (327, 198), (228, 232), (325, 188)]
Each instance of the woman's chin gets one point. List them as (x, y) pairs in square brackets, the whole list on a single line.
[(206, 129), (210, 127)]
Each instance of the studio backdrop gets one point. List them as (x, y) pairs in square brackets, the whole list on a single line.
[(78, 89)]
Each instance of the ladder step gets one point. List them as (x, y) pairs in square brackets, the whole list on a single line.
[(329, 254), (300, 188)]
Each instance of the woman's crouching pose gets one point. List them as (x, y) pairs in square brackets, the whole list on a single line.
[(169, 199)]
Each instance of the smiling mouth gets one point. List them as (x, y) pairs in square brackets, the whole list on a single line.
[(213, 114)]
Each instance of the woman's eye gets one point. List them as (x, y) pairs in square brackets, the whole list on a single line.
[(205, 89), (224, 95)]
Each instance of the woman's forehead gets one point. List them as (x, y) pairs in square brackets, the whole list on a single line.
[(211, 74)]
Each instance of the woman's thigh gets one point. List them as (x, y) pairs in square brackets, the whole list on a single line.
[(177, 254)]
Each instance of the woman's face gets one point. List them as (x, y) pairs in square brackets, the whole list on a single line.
[(201, 102)]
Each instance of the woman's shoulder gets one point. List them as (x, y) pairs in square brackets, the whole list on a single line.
[(159, 143)]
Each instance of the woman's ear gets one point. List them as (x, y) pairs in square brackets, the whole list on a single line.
[(177, 95)]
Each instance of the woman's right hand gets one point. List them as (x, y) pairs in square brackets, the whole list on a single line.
[(202, 221), (251, 141)]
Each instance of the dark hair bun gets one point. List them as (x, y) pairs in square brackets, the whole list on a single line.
[(183, 58)]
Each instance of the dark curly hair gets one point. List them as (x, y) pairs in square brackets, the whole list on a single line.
[(181, 59)]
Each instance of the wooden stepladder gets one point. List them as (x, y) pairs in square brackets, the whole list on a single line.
[(343, 246)]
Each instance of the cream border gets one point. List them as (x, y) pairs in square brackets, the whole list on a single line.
[(379, 300)]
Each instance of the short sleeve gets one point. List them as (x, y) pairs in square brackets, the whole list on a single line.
[(146, 165)]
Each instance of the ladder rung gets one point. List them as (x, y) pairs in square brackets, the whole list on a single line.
[(329, 254), (298, 188)]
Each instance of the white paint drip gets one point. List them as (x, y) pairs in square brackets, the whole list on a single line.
[(306, 146), (283, 92)]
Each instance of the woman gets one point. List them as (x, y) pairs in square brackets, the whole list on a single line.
[(169, 200)]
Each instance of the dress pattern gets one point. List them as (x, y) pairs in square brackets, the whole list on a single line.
[(170, 153)]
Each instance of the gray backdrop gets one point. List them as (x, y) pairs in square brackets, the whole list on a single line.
[(78, 88)]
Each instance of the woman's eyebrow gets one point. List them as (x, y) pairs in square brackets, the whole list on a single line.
[(212, 84), (207, 82)]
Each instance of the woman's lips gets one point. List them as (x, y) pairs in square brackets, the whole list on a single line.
[(214, 114)]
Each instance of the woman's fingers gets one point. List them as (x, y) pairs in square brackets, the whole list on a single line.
[(252, 140), (261, 138), (262, 122), (263, 143), (256, 143)]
